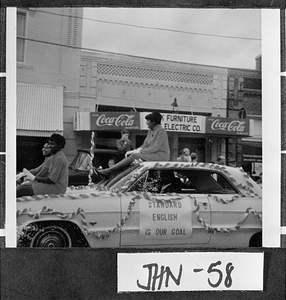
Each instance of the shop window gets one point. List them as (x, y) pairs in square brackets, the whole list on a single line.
[(252, 83), (21, 35)]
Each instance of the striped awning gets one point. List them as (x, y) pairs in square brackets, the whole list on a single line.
[(39, 109)]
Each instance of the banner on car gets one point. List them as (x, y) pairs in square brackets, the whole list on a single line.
[(114, 120), (165, 220)]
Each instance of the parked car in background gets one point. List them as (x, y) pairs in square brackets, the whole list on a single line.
[(149, 204), (79, 167)]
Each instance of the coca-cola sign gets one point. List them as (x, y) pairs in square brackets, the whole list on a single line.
[(114, 120), (227, 126)]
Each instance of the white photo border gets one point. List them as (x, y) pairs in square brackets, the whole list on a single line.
[(271, 127)]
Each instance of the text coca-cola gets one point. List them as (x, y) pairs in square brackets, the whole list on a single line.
[(235, 125), (125, 120)]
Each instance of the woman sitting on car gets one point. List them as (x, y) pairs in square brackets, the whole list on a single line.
[(55, 181), (41, 170), (154, 148)]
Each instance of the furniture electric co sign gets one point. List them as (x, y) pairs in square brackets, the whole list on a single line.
[(183, 123)]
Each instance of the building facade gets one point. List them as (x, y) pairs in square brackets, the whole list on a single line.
[(48, 60), (114, 82), (245, 102), (61, 88)]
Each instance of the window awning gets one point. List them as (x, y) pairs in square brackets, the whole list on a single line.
[(39, 109)]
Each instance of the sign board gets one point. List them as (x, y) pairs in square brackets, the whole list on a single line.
[(166, 219), (227, 126), (114, 120), (251, 158), (178, 122), (251, 152)]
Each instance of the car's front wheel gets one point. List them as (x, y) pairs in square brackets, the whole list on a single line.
[(51, 237)]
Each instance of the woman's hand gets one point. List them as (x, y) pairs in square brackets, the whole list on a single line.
[(129, 153), (19, 176), (136, 151), (29, 176)]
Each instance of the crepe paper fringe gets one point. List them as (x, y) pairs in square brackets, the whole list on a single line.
[(91, 158), (146, 196)]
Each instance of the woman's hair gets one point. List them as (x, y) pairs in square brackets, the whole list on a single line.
[(58, 139), (155, 117)]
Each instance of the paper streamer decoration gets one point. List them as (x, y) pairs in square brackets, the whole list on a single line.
[(91, 158)]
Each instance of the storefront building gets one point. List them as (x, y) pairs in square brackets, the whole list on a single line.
[(60, 93), (47, 79), (208, 135), (245, 102), (184, 93)]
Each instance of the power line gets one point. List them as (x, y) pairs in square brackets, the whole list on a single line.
[(76, 47), (66, 46), (91, 50), (154, 28)]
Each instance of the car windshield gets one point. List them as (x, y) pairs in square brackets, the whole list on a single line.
[(117, 182)]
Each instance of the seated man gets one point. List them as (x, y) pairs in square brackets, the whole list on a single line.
[(56, 179)]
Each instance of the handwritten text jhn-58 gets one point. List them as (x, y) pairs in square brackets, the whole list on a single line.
[(157, 276)]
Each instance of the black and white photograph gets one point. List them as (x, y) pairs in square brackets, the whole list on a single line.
[(170, 97), (142, 129)]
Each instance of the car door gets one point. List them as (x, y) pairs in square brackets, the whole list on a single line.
[(101, 217), (234, 218), (155, 218)]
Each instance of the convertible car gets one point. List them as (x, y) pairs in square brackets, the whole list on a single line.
[(149, 204)]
